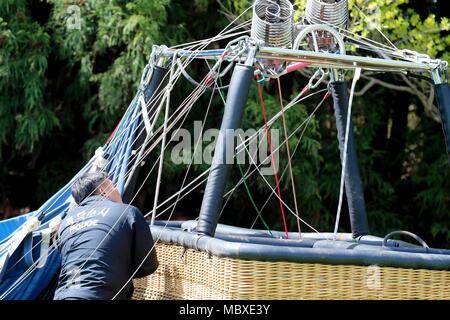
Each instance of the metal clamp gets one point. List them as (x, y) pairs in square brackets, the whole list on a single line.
[(261, 75), (440, 72), (148, 70), (243, 44)]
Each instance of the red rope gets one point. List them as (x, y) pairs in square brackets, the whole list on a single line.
[(272, 158), (286, 137)]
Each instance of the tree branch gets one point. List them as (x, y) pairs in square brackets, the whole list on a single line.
[(374, 81), (417, 90), (427, 102)]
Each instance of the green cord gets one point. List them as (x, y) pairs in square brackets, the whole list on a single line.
[(253, 202)]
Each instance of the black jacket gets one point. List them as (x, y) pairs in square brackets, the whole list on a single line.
[(102, 245)]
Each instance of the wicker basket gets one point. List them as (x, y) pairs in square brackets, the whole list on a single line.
[(190, 274)]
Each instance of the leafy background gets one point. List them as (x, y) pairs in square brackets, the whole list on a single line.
[(63, 90)]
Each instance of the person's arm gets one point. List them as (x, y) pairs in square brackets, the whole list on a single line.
[(144, 255)]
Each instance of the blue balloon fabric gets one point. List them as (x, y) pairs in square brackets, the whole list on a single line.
[(26, 274)]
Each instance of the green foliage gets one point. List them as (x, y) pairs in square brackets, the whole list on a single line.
[(24, 49), (112, 46), (69, 86)]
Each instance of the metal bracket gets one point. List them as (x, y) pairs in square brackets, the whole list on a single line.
[(320, 74), (156, 59), (416, 56), (440, 73), (440, 69)]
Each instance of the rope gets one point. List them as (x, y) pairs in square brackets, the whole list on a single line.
[(31, 269), (230, 192), (163, 142), (178, 118), (376, 27), (193, 156), (344, 157), (195, 83), (306, 123), (253, 201), (263, 109), (294, 193), (275, 193)]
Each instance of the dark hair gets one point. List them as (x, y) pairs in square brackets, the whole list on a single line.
[(86, 185)]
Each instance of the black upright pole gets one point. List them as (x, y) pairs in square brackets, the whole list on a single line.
[(150, 93), (443, 102), (352, 178), (219, 171)]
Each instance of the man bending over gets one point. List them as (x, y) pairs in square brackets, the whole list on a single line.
[(103, 242)]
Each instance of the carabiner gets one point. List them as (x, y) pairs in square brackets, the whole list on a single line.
[(259, 74), (318, 73)]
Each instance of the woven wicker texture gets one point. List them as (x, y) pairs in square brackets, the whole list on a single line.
[(190, 274)]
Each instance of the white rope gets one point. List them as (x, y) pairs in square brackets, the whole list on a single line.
[(140, 265), (131, 104), (33, 267), (247, 174), (145, 117), (149, 133), (228, 35), (376, 27), (164, 135), (142, 184), (308, 120), (253, 171), (164, 131), (344, 155), (193, 153), (214, 38), (109, 161), (293, 102), (274, 192), (294, 192), (277, 116)]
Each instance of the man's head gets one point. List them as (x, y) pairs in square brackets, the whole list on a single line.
[(95, 183)]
